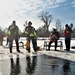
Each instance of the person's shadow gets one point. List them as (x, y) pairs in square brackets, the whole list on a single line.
[(66, 67), (15, 67), (31, 64)]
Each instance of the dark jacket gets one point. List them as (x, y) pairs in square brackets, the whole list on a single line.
[(67, 31), (30, 31), (55, 35), (13, 31)]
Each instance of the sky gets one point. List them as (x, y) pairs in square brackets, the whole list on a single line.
[(29, 10)]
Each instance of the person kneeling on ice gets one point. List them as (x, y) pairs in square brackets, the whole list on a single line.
[(54, 36), (31, 35)]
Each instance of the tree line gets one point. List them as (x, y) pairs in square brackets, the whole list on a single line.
[(44, 31)]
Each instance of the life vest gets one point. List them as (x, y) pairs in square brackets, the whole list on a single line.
[(53, 38), (30, 31), (67, 32), (13, 30)]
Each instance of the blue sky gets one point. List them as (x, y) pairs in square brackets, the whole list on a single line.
[(22, 10)]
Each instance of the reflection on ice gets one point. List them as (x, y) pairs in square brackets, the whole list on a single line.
[(36, 65)]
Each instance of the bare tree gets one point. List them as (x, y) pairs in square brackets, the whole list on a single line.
[(40, 31), (47, 19), (5, 30), (58, 25), (25, 24)]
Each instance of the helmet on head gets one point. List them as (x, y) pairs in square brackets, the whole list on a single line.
[(29, 23), (66, 25), (54, 29), (14, 21)]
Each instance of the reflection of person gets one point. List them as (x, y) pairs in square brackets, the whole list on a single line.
[(67, 34), (66, 67), (15, 67), (31, 35), (13, 33), (31, 64), (54, 38)]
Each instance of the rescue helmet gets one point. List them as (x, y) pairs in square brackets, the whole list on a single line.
[(66, 25), (29, 23), (14, 21), (54, 29)]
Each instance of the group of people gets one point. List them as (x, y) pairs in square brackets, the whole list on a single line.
[(55, 35), (14, 34), (31, 34)]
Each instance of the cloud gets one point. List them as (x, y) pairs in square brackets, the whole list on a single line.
[(73, 3), (21, 10), (32, 8)]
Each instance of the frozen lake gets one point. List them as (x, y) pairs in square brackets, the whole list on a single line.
[(36, 65), (40, 42)]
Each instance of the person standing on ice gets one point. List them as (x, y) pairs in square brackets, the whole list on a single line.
[(13, 34), (67, 34), (31, 35)]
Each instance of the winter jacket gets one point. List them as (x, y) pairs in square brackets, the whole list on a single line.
[(30, 31), (13, 31)]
